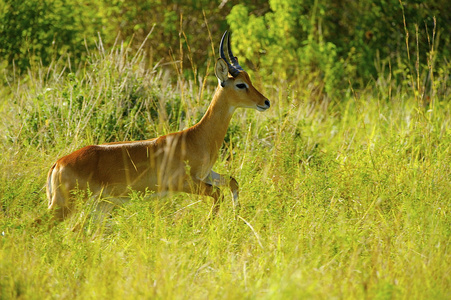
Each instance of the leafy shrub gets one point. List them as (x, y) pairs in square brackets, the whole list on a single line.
[(114, 97), (331, 43), (325, 44), (38, 31), (35, 31)]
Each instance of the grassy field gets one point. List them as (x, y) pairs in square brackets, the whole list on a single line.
[(340, 198)]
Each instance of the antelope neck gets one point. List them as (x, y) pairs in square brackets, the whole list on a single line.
[(213, 126)]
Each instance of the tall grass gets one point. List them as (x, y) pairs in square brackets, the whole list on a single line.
[(345, 198)]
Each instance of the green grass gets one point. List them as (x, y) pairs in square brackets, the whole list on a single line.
[(345, 198)]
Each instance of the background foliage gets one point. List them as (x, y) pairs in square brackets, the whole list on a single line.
[(326, 43), (339, 41)]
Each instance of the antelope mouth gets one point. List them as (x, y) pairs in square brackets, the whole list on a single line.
[(264, 107)]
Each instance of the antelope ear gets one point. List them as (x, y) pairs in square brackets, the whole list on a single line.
[(221, 71)]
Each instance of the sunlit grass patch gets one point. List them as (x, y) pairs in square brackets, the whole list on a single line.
[(345, 198)]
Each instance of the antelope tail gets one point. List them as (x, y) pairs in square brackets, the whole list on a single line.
[(52, 177)]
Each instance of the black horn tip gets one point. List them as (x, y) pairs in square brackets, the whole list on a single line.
[(232, 62), (232, 57)]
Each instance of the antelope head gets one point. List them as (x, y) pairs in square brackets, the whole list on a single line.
[(237, 85)]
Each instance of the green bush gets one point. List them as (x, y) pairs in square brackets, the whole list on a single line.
[(35, 31), (39, 31), (112, 97), (333, 43), (323, 44)]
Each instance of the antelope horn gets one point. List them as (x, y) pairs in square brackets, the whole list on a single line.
[(232, 57), (234, 68)]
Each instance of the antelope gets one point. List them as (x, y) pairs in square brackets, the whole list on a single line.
[(176, 162)]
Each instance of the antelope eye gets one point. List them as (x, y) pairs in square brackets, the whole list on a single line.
[(241, 86)]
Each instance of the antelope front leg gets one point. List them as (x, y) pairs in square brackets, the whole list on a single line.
[(195, 186), (219, 180)]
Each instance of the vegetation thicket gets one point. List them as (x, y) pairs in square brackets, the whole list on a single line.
[(345, 182), (327, 43)]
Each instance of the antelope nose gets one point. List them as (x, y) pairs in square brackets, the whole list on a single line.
[(264, 107)]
